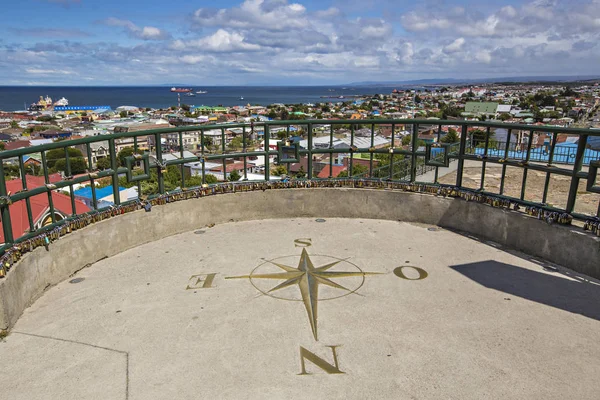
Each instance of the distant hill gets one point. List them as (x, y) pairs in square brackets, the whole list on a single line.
[(454, 81)]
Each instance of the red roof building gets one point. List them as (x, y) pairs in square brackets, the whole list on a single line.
[(336, 170), (18, 144), (40, 208)]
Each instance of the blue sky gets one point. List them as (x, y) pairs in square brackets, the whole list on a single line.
[(236, 42)]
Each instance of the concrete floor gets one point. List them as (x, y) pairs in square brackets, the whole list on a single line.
[(152, 323)]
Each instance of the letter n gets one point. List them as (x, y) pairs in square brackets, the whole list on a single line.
[(319, 362)]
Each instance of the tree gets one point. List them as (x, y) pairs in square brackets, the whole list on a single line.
[(210, 179), (478, 137), (301, 173), (504, 116), (78, 165), (568, 92), (55, 155), (2, 146), (278, 170), (207, 142), (451, 136), (357, 169), (123, 114), (236, 143), (126, 152), (234, 176), (14, 124), (281, 135), (103, 163)]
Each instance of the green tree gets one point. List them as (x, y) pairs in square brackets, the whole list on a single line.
[(103, 163), (278, 170), (55, 155), (281, 135), (78, 165), (478, 137), (125, 152), (234, 176), (210, 179), (236, 143), (123, 114), (2, 146), (451, 136), (357, 169), (504, 116), (301, 173), (207, 142)]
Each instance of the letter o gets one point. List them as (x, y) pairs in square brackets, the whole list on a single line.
[(400, 274)]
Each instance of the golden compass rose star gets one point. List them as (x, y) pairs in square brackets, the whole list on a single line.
[(308, 278)]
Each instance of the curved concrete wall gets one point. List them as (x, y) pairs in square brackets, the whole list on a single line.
[(40, 269)]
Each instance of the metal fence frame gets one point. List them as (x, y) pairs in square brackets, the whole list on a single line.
[(418, 156)]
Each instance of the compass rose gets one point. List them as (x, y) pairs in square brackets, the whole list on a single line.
[(308, 278)]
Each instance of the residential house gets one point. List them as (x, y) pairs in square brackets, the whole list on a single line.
[(40, 208)]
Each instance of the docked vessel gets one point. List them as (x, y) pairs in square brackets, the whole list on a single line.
[(180, 90), (44, 103), (62, 102)]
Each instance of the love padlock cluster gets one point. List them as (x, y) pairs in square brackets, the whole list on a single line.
[(592, 225), (14, 253)]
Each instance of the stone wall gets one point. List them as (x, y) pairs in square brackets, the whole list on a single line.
[(563, 245)]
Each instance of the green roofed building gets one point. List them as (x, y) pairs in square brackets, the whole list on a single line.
[(477, 107), (210, 109)]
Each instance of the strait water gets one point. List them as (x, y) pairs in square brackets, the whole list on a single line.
[(14, 98)]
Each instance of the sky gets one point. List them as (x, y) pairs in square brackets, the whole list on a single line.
[(287, 42)]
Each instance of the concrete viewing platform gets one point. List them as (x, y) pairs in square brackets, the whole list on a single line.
[(308, 308)]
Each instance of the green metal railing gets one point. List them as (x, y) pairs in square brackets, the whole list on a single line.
[(151, 171)]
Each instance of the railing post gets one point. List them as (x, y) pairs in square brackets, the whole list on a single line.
[(461, 154), (161, 179), (415, 147), (310, 145), (244, 150), (267, 148), (5, 209), (115, 175), (576, 168), (351, 160), (202, 156), (391, 171)]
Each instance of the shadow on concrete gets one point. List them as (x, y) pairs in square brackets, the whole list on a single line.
[(568, 293)]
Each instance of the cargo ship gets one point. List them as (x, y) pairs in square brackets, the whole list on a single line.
[(45, 104), (180, 90)]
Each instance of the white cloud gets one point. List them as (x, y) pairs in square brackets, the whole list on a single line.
[(220, 41), (263, 14), (41, 71), (144, 33), (483, 56), (455, 46), (282, 41)]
